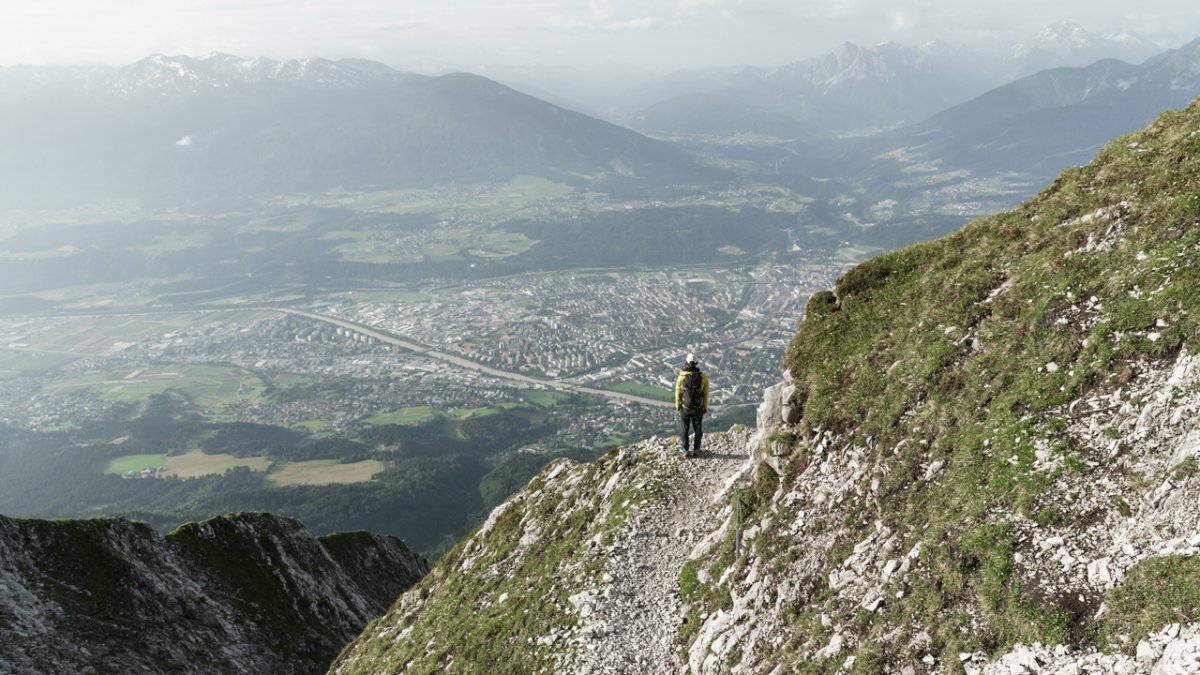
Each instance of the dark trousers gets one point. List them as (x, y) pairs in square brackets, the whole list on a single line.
[(690, 418)]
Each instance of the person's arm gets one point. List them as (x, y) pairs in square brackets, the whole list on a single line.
[(679, 392), (704, 389)]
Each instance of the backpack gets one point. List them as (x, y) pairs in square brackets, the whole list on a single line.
[(692, 392)]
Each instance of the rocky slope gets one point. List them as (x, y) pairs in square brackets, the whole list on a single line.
[(576, 573), (982, 458), (246, 593)]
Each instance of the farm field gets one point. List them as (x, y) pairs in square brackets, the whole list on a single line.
[(414, 415), (640, 389), (89, 336), (15, 362), (210, 387), (123, 465), (544, 398), (419, 414), (324, 472)]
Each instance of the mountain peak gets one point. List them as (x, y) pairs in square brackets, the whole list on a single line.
[(184, 75), (1063, 30), (1064, 43)]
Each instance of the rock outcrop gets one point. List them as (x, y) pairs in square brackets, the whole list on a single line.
[(246, 593)]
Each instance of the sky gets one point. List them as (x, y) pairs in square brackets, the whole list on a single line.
[(484, 36)]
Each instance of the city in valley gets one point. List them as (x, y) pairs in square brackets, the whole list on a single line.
[(399, 362), (609, 340)]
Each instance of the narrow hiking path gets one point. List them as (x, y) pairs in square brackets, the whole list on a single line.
[(634, 619)]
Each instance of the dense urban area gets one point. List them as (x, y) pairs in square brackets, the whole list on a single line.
[(624, 332)]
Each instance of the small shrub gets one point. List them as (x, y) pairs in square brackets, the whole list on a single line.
[(689, 581), (1049, 516), (822, 303), (1122, 506), (1185, 469)]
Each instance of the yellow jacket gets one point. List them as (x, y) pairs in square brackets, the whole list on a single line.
[(679, 388)]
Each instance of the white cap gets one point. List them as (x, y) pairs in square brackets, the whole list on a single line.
[(691, 358)]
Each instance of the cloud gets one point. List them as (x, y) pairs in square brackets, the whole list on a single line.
[(186, 142), (397, 28), (609, 16), (643, 23), (640, 23), (900, 20)]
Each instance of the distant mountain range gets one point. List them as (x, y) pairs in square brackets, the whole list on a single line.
[(855, 87), (925, 179), (219, 129), (1043, 123), (223, 126), (187, 75), (850, 88), (1067, 44)]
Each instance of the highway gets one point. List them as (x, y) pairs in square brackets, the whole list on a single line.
[(557, 384), (561, 384)]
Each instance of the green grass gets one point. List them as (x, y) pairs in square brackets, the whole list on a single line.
[(318, 427), (543, 398), (196, 464), (69, 338), (209, 387), (175, 242), (413, 415), (1186, 469), (467, 413), (463, 620), (123, 465), (14, 362), (639, 389), (188, 465), (1154, 593)]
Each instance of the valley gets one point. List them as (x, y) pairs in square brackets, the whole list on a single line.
[(256, 360), (331, 296)]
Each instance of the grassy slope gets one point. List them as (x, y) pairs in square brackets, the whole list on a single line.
[(911, 347), (493, 602)]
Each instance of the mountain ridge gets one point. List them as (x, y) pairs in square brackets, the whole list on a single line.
[(853, 87), (238, 593), (1043, 114), (166, 130), (983, 446)]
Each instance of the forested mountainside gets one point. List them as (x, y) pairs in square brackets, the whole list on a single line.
[(982, 458), (244, 593)]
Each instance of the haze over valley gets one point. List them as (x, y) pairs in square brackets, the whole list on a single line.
[(292, 266), (374, 292)]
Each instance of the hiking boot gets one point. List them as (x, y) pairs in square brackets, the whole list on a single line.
[(684, 452)]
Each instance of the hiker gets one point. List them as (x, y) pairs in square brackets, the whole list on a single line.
[(691, 400)]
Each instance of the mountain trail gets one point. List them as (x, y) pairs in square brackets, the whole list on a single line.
[(631, 624)]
